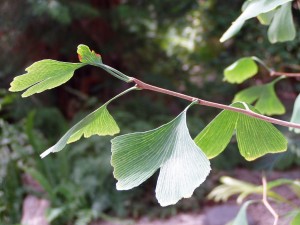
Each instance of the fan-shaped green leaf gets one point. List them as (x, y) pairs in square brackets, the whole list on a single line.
[(255, 137), (251, 9), (282, 27), (99, 122), (136, 156), (241, 70), (267, 103), (87, 56), (296, 115), (43, 75)]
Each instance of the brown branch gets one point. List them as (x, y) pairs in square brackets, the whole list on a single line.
[(145, 86), (275, 73), (266, 203)]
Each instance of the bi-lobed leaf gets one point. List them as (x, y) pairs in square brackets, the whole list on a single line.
[(183, 166), (267, 101), (43, 75), (85, 55), (99, 122), (251, 9), (296, 115), (282, 27), (255, 137), (241, 70)]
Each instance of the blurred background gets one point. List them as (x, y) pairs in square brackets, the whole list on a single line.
[(173, 44)]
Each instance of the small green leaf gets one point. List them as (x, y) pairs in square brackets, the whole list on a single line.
[(252, 9), (43, 75), (296, 219), (102, 124), (85, 55), (99, 122), (296, 115), (282, 27), (241, 217), (266, 18), (267, 103), (255, 137), (183, 166), (241, 70)]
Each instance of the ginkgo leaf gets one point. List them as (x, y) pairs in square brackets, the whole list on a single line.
[(252, 9), (241, 70), (102, 124), (267, 101), (296, 115), (183, 166), (43, 75), (99, 122), (85, 55), (255, 137), (282, 27)]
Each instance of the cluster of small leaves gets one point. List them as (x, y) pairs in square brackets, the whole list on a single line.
[(276, 14), (264, 96), (183, 162)]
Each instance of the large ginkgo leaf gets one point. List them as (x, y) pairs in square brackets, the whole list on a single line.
[(255, 137), (183, 166), (43, 75)]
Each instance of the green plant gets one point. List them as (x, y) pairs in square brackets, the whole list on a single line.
[(131, 157), (231, 187)]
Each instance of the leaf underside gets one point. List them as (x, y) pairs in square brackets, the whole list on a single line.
[(255, 137), (252, 9), (282, 27), (43, 75), (183, 166)]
